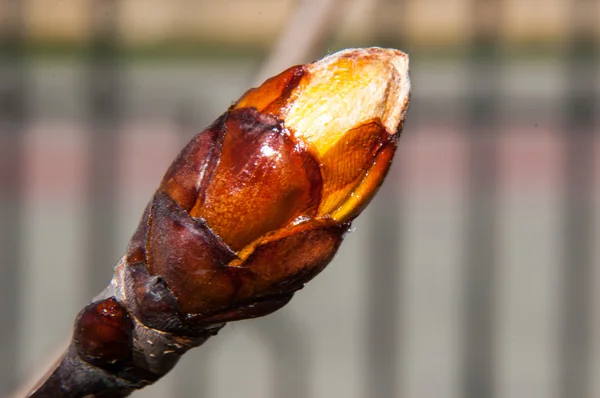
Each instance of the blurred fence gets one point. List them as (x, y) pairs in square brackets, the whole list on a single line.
[(473, 274)]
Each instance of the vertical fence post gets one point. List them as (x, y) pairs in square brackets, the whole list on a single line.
[(580, 124), (104, 110), (13, 116), (382, 365), (481, 212), (383, 295)]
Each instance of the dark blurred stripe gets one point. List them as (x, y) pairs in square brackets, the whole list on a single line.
[(105, 103), (581, 122), (385, 269), (13, 117), (288, 349), (383, 323), (481, 212)]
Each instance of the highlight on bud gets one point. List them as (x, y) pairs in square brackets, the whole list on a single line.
[(258, 203), (347, 110)]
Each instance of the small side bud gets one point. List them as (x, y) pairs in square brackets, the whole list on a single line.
[(103, 333)]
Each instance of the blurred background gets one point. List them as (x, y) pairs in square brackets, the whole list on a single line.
[(472, 275)]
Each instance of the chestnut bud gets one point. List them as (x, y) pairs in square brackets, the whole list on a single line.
[(252, 208), (258, 203)]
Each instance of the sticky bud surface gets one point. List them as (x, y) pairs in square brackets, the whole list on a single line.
[(258, 203)]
